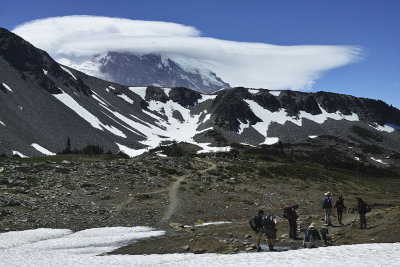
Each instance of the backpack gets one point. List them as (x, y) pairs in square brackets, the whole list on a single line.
[(311, 235), (253, 224), (269, 222), (287, 211), (367, 208), (325, 203)]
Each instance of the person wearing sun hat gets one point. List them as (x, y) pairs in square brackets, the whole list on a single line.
[(327, 206), (311, 236)]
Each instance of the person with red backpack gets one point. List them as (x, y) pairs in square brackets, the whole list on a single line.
[(289, 213)]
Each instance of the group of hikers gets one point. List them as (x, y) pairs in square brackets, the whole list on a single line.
[(266, 224)]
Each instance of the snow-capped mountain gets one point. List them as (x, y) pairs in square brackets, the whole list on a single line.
[(150, 69), (42, 103)]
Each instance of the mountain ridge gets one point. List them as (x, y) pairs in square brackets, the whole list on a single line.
[(43, 102)]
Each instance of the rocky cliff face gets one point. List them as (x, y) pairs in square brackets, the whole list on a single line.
[(43, 103)]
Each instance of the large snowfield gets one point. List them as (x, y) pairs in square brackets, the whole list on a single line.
[(62, 247)]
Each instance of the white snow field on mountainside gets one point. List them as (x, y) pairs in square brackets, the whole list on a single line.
[(172, 128), (62, 247)]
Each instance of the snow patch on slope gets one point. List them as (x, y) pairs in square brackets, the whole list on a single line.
[(242, 126), (90, 67), (141, 91), (321, 118), (7, 87), (42, 150), (379, 160), (282, 117), (68, 71), (270, 141), (170, 129), (126, 98), (212, 223), (133, 126), (130, 151), (99, 99), (205, 97), (253, 91), (86, 115), (386, 128), (166, 90), (19, 154), (275, 93)]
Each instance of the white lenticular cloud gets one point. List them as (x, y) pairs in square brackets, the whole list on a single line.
[(77, 38)]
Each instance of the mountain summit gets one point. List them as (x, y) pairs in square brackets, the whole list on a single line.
[(150, 69)]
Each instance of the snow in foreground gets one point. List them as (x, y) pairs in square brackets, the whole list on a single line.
[(62, 247)]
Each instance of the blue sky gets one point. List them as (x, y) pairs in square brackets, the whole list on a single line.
[(372, 25)]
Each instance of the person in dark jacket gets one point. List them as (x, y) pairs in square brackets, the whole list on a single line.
[(291, 216), (327, 206), (362, 211), (258, 227), (269, 223), (311, 236), (325, 235), (339, 206)]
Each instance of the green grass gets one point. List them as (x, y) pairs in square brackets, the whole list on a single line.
[(169, 171), (60, 158), (144, 196)]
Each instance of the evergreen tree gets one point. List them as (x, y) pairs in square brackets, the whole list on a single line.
[(67, 149)]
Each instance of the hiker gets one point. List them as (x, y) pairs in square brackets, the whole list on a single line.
[(327, 206), (289, 213), (339, 206), (256, 224), (235, 154), (311, 236), (325, 235), (363, 208), (270, 231)]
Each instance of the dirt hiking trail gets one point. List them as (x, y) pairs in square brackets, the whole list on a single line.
[(173, 198)]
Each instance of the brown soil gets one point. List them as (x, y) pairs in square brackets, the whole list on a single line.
[(383, 226)]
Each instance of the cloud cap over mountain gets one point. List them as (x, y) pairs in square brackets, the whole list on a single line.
[(77, 38)]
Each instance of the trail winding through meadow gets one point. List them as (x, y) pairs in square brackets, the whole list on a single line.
[(173, 190)]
